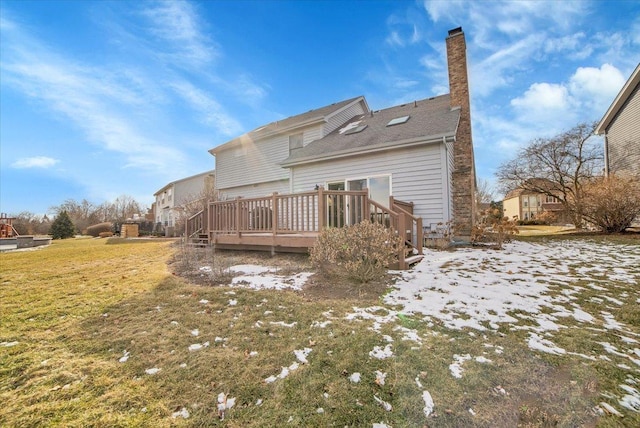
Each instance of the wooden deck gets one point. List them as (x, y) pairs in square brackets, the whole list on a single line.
[(291, 223)]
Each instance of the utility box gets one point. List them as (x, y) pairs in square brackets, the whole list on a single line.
[(129, 230)]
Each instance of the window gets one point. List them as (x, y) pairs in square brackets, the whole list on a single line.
[(398, 120), (551, 199), (295, 142), (526, 203), (355, 130)]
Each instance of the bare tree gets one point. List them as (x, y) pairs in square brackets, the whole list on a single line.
[(193, 203), (82, 214), (485, 193), (558, 167)]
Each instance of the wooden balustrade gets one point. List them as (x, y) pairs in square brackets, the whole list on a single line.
[(306, 214)]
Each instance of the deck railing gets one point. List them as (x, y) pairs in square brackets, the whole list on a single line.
[(304, 213), (194, 224)]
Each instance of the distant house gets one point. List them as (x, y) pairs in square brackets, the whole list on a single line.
[(410, 166), (520, 204), (171, 199), (621, 129)]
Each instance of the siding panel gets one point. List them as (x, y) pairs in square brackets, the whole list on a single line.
[(416, 176), (623, 137)]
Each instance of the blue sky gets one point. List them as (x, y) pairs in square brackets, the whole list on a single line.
[(100, 98)]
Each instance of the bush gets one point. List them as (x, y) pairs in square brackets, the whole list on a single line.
[(497, 233), (362, 252), (612, 203), (97, 229), (62, 227), (105, 234)]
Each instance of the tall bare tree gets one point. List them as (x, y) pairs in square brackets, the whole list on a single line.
[(559, 167)]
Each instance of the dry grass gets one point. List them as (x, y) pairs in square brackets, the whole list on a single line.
[(76, 307)]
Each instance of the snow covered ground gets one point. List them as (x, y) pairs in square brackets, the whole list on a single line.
[(538, 288)]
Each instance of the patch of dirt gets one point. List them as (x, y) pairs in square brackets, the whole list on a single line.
[(319, 287)]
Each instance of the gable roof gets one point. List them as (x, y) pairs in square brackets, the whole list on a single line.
[(314, 116), (619, 101), (429, 120), (173, 183)]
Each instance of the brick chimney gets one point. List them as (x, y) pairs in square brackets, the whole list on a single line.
[(463, 175)]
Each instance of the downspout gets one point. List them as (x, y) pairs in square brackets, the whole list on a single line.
[(449, 178), (606, 154)]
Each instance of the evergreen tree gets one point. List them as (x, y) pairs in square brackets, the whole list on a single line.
[(62, 227)]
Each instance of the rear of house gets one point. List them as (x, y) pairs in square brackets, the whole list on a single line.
[(419, 153)]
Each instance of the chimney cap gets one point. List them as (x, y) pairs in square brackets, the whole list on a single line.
[(455, 31)]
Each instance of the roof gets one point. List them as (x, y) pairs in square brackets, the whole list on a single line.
[(539, 183), (321, 114), (429, 120), (183, 179), (619, 101)]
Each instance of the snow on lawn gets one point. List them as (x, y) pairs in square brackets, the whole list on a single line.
[(482, 288), (261, 277), (525, 286)]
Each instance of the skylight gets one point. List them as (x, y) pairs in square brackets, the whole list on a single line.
[(355, 130), (398, 120)]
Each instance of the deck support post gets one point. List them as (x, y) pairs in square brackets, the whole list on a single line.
[(238, 216), (274, 215), (402, 231), (321, 208), (420, 234)]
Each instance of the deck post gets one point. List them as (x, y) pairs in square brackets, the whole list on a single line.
[(321, 208), (238, 216), (402, 231), (274, 214), (366, 209), (420, 233)]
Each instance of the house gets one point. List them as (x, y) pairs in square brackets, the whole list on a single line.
[(620, 126), (171, 199), (410, 166), (526, 205)]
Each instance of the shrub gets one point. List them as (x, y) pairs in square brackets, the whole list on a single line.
[(362, 252), (97, 229), (497, 233), (612, 203), (105, 234)]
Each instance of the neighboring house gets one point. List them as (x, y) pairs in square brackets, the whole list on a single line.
[(413, 164), (171, 199), (621, 128), (520, 204)]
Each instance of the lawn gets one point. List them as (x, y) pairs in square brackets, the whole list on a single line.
[(109, 333)]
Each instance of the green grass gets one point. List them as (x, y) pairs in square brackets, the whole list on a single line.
[(77, 306)]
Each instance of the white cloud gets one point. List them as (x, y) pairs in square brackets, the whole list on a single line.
[(394, 39), (104, 105), (211, 112), (177, 24), (35, 162), (495, 71), (543, 97), (596, 87)]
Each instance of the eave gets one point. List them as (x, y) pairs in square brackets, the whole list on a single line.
[(619, 101)]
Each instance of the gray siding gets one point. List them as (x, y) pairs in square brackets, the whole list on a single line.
[(341, 118), (623, 137), (256, 190), (254, 162), (417, 175), (258, 161)]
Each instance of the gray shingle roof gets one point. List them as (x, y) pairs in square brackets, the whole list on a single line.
[(279, 125), (429, 118)]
